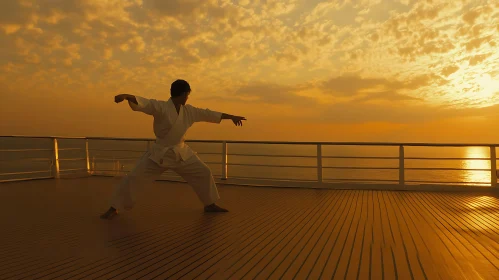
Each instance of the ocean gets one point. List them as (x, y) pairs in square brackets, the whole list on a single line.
[(32, 156)]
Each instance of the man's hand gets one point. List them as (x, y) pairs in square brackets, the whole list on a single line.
[(119, 98), (238, 121)]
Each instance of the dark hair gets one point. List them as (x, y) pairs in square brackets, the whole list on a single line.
[(179, 87)]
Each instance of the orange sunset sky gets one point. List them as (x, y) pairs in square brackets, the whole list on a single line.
[(298, 70)]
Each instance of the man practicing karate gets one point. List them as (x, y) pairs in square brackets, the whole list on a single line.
[(172, 119)]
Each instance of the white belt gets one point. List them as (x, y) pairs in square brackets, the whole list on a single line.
[(158, 155)]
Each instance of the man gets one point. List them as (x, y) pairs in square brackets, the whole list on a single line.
[(172, 119)]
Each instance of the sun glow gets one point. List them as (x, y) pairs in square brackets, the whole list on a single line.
[(489, 86), (478, 88)]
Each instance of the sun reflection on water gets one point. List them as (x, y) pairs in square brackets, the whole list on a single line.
[(482, 176)]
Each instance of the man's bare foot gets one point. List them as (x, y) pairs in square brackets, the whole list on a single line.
[(111, 213), (214, 208)]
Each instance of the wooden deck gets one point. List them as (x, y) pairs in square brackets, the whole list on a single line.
[(51, 230)]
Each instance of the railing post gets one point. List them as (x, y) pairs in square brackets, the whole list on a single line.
[(493, 167), (319, 163), (118, 165), (224, 160), (87, 154), (401, 165), (115, 167), (55, 160)]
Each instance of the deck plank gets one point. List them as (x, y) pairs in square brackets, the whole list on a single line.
[(268, 253), (333, 255), (172, 268), (415, 246), (282, 247), (297, 228), (269, 233), (245, 238), (365, 259)]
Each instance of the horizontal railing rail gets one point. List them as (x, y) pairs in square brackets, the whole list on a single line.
[(26, 159), (351, 157), (95, 156), (115, 159), (25, 150), (72, 159), (360, 167), (271, 165), (24, 172), (337, 143), (72, 169), (278, 156)]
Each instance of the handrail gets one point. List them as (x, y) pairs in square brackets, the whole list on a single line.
[(72, 169), (225, 163), (114, 159), (360, 168), (271, 165), (26, 150), (452, 158), (264, 155), (350, 157), (25, 172), (26, 159), (446, 182), (341, 143), (447, 168), (113, 150), (72, 159), (360, 180)]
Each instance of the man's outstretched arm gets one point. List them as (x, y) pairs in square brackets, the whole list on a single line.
[(207, 115), (137, 103)]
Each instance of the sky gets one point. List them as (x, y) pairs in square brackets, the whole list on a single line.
[(298, 70)]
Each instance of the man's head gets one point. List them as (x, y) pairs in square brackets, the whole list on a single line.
[(180, 90)]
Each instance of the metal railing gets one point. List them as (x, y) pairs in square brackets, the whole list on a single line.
[(89, 161)]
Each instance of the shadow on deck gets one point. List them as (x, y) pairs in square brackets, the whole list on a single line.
[(51, 229)]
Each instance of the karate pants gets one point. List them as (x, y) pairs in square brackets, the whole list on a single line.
[(197, 174)]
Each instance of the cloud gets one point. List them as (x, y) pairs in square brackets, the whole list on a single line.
[(477, 59), (15, 13), (449, 70), (477, 43), (175, 8), (389, 95), (279, 7), (353, 88), (376, 88), (264, 93), (470, 17), (395, 108), (293, 53), (194, 10), (350, 85), (324, 8), (402, 113)]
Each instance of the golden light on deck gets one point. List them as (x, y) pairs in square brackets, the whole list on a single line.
[(479, 212), (481, 202)]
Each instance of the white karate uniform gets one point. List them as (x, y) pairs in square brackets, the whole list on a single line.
[(169, 152)]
